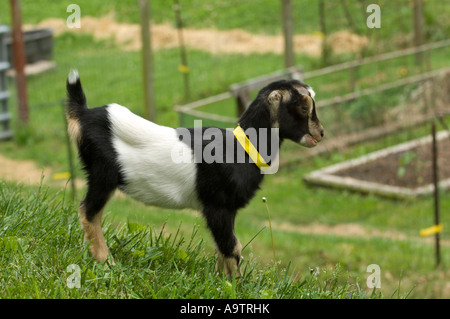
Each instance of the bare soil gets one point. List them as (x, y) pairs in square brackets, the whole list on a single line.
[(128, 37), (28, 173), (412, 168), (22, 171)]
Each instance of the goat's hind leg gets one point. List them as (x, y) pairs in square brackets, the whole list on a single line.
[(221, 224), (91, 211)]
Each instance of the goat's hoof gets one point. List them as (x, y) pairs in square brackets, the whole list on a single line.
[(228, 266), (106, 261)]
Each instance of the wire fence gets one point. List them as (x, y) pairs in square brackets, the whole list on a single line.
[(384, 93), (379, 88)]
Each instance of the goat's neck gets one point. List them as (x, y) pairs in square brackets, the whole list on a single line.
[(262, 123)]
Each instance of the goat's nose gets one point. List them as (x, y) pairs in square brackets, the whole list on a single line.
[(321, 133)]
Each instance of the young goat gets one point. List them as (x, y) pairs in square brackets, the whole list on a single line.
[(119, 149)]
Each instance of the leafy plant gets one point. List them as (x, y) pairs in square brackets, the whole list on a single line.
[(404, 161)]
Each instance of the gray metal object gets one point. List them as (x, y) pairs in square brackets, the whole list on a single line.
[(38, 45), (5, 116)]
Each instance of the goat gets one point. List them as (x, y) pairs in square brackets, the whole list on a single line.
[(119, 149)]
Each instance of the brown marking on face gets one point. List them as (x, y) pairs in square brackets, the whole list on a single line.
[(306, 108), (315, 128)]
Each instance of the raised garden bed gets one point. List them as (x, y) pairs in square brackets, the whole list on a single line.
[(403, 170)]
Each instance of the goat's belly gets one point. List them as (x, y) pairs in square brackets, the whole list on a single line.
[(166, 195), (158, 181), (157, 168), (152, 177)]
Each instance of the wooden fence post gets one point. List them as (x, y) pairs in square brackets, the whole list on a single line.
[(184, 68), (436, 191), (323, 30), (147, 61), (418, 27), (19, 60), (288, 31)]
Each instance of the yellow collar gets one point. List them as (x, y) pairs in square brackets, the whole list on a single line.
[(249, 148)]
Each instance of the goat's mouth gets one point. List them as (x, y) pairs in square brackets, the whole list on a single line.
[(308, 140)]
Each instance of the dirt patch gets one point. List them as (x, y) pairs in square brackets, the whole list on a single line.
[(344, 41), (28, 173), (344, 230), (349, 230), (411, 168), (127, 36), (25, 172)]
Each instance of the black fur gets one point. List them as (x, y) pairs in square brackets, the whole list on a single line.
[(95, 150), (222, 187), (76, 100)]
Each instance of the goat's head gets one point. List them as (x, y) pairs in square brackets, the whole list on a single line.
[(293, 110)]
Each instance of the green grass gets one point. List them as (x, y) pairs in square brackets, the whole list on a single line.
[(40, 237), (209, 75), (262, 16), (121, 84), (390, 228), (155, 249)]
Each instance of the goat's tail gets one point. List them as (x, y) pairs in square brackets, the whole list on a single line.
[(76, 100)]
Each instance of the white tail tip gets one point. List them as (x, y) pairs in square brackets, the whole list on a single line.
[(73, 76)]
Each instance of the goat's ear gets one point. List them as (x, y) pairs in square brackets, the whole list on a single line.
[(275, 97), (274, 104)]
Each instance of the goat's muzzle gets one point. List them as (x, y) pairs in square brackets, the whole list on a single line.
[(314, 136)]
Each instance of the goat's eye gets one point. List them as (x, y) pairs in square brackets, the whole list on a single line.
[(304, 109)]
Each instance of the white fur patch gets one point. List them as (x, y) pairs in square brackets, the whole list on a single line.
[(73, 76), (145, 155)]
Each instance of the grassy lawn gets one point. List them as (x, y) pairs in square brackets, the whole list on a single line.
[(389, 229), (40, 236), (335, 233), (40, 239)]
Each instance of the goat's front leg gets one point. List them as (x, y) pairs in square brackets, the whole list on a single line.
[(221, 223), (229, 264)]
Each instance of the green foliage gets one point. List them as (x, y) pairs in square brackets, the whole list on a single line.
[(405, 159), (40, 236), (367, 111)]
